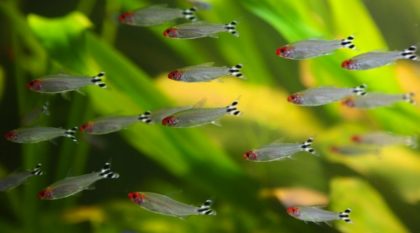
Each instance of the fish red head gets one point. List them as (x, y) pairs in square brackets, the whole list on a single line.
[(10, 135), (34, 85), (45, 194), (136, 197), (170, 32), (126, 17), (169, 121), (356, 138), (175, 75), (334, 149), (87, 127), (295, 98), (250, 155), (284, 51), (349, 102), (293, 211), (347, 64)]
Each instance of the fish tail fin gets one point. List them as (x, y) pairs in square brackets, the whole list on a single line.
[(97, 80), (106, 172), (360, 90), (46, 108), (409, 97), (236, 71), (146, 117), (231, 28), (70, 133), (205, 208), (190, 13), (411, 141), (232, 108), (345, 215), (410, 53), (307, 146), (37, 170), (348, 42)]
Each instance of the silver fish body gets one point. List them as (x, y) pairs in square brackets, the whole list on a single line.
[(385, 139), (39, 134), (204, 72), (199, 30), (16, 179), (155, 15), (313, 48), (278, 151), (165, 205), (324, 95), (36, 114), (355, 150), (315, 214), (373, 100), (72, 185), (108, 124)]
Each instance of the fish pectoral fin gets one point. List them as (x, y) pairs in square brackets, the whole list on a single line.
[(52, 141), (217, 123), (328, 223), (80, 92)]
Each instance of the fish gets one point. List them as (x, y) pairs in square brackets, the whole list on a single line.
[(317, 215), (385, 139), (39, 134), (18, 178), (36, 113), (151, 117), (198, 116), (278, 151), (313, 48), (205, 72), (373, 100), (108, 125), (376, 59), (62, 83), (355, 150), (324, 95), (155, 15), (161, 204), (202, 5), (73, 185), (200, 29)]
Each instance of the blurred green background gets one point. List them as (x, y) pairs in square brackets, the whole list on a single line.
[(191, 165)]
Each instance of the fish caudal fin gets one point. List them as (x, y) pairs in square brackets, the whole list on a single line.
[(232, 110), (205, 208), (70, 133), (345, 215), (190, 13), (307, 146), (409, 97), (97, 80), (236, 71), (106, 172), (146, 117), (360, 90), (37, 170), (348, 42), (231, 28), (410, 53)]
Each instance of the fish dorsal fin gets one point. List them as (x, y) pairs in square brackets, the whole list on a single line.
[(157, 6), (207, 64), (200, 103)]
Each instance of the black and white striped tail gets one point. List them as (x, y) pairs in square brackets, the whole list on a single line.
[(97, 80), (345, 215), (70, 133), (236, 71), (190, 13), (410, 53), (307, 146), (232, 110), (409, 97), (106, 172), (348, 42), (37, 170), (146, 117), (231, 28), (205, 208), (360, 90)]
